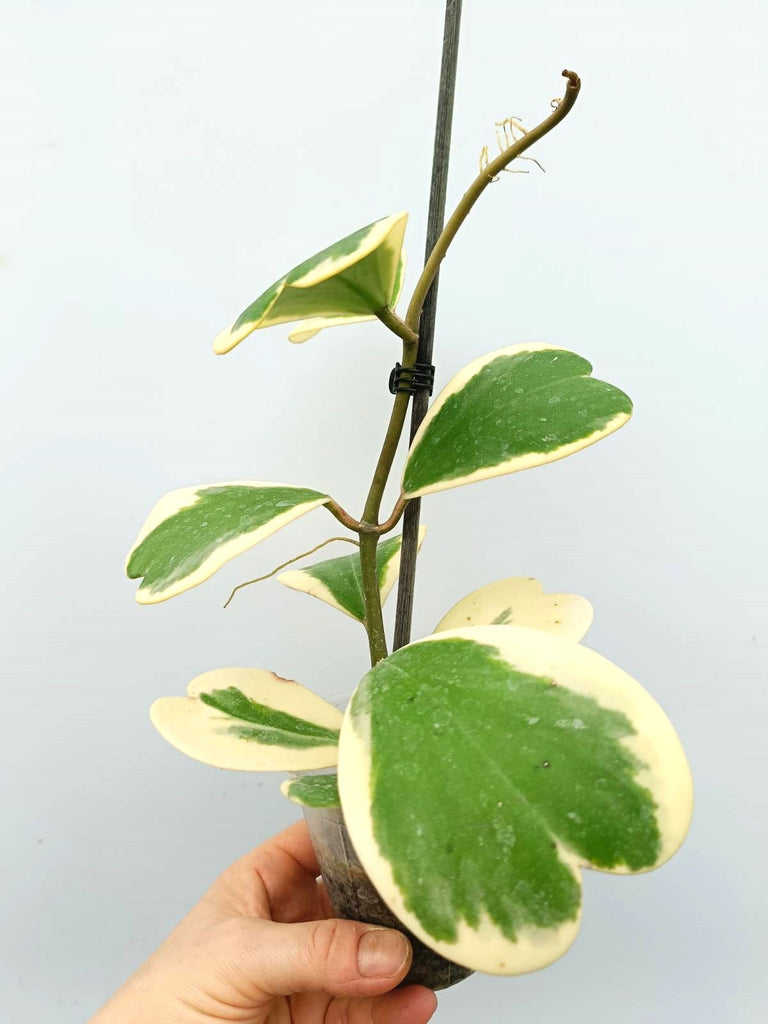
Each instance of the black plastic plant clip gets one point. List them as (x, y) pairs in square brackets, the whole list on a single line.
[(410, 379)]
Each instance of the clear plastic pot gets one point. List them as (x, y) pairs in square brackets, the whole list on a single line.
[(353, 896)]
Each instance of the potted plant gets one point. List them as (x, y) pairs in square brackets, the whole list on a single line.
[(475, 771)]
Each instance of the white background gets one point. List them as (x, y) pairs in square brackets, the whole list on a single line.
[(165, 161)]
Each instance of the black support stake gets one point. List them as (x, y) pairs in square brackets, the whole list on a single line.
[(427, 322)]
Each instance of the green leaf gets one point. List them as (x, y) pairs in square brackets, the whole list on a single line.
[(521, 601), (339, 581), (252, 720), (312, 790), (309, 328), (479, 772), (512, 409), (192, 532), (354, 277)]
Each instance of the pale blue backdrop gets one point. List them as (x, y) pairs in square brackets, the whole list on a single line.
[(163, 162)]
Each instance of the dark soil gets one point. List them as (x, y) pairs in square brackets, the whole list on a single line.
[(353, 897)]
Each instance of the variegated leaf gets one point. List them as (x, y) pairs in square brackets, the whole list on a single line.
[(339, 581), (312, 790), (521, 601), (193, 531), (354, 277), (481, 769), (251, 720), (512, 409), (309, 328)]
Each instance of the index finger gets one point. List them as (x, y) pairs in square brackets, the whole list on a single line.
[(292, 844), (276, 880)]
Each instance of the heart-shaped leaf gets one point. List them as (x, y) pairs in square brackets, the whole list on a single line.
[(339, 581), (354, 277), (480, 769), (192, 532), (312, 790), (251, 720), (521, 601), (309, 328), (509, 410)]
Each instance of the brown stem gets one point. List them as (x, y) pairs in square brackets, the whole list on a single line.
[(394, 519), (374, 622), (369, 522), (476, 189), (399, 327), (343, 517)]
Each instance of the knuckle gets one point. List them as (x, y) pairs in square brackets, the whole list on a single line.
[(333, 948), (326, 940)]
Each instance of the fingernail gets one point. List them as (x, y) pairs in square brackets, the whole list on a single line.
[(381, 952)]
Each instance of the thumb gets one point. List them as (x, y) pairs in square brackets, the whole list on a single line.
[(342, 958)]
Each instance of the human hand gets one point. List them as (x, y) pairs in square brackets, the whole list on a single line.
[(261, 947)]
